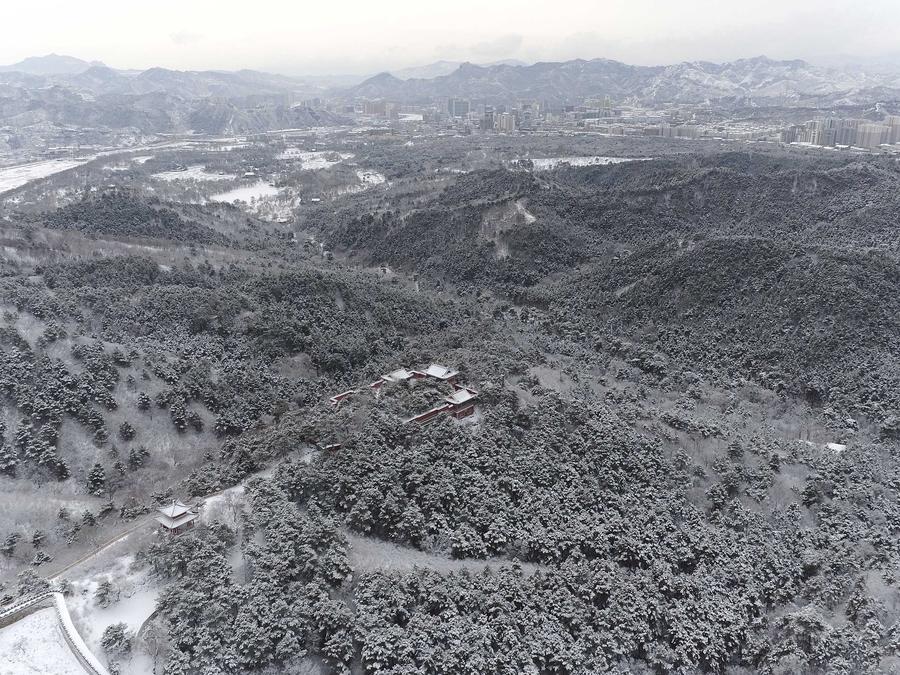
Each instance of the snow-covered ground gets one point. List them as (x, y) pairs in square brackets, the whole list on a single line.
[(12, 177), (142, 159), (258, 190), (520, 208), (370, 177), (193, 173), (315, 160), (36, 645), (136, 602), (546, 163)]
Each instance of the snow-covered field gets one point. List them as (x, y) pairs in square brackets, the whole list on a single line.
[(12, 177), (247, 193), (547, 163), (36, 645), (315, 160), (192, 173)]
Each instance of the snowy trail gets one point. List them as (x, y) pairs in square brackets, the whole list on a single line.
[(110, 542)]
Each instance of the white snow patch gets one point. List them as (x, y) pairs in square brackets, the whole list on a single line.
[(193, 173), (547, 163), (315, 160), (12, 177), (223, 506), (371, 177), (136, 602), (36, 644), (259, 190), (520, 208)]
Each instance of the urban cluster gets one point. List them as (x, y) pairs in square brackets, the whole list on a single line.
[(843, 132), (600, 115)]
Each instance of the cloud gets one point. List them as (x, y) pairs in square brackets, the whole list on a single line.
[(498, 48), (502, 47), (182, 38)]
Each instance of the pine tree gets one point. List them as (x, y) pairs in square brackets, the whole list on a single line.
[(143, 402), (96, 482), (116, 640), (9, 544), (40, 558), (137, 457), (104, 594), (37, 539), (8, 460), (62, 470), (126, 431)]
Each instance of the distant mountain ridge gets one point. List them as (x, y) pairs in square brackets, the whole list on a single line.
[(51, 64), (62, 91), (439, 68), (54, 91), (759, 79)]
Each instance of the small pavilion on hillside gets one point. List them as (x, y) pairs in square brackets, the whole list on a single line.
[(176, 518)]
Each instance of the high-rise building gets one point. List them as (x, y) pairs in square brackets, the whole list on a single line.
[(487, 119), (506, 122), (458, 107), (893, 121), (375, 108), (846, 132), (872, 135), (793, 133)]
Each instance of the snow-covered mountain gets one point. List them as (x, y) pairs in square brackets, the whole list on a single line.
[(51, 64), (759, 79)]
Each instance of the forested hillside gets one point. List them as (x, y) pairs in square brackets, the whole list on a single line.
[(683, 455)]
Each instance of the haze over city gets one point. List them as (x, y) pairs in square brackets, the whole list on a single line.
[(365, 37)]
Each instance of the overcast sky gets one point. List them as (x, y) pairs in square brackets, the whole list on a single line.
[(350, 36)]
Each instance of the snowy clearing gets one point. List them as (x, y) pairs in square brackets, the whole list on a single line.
[(315, 160), (12, 177), (520, 208), (371, 177), (36, 645), (192, 173), (547, 163), (248, 193)]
